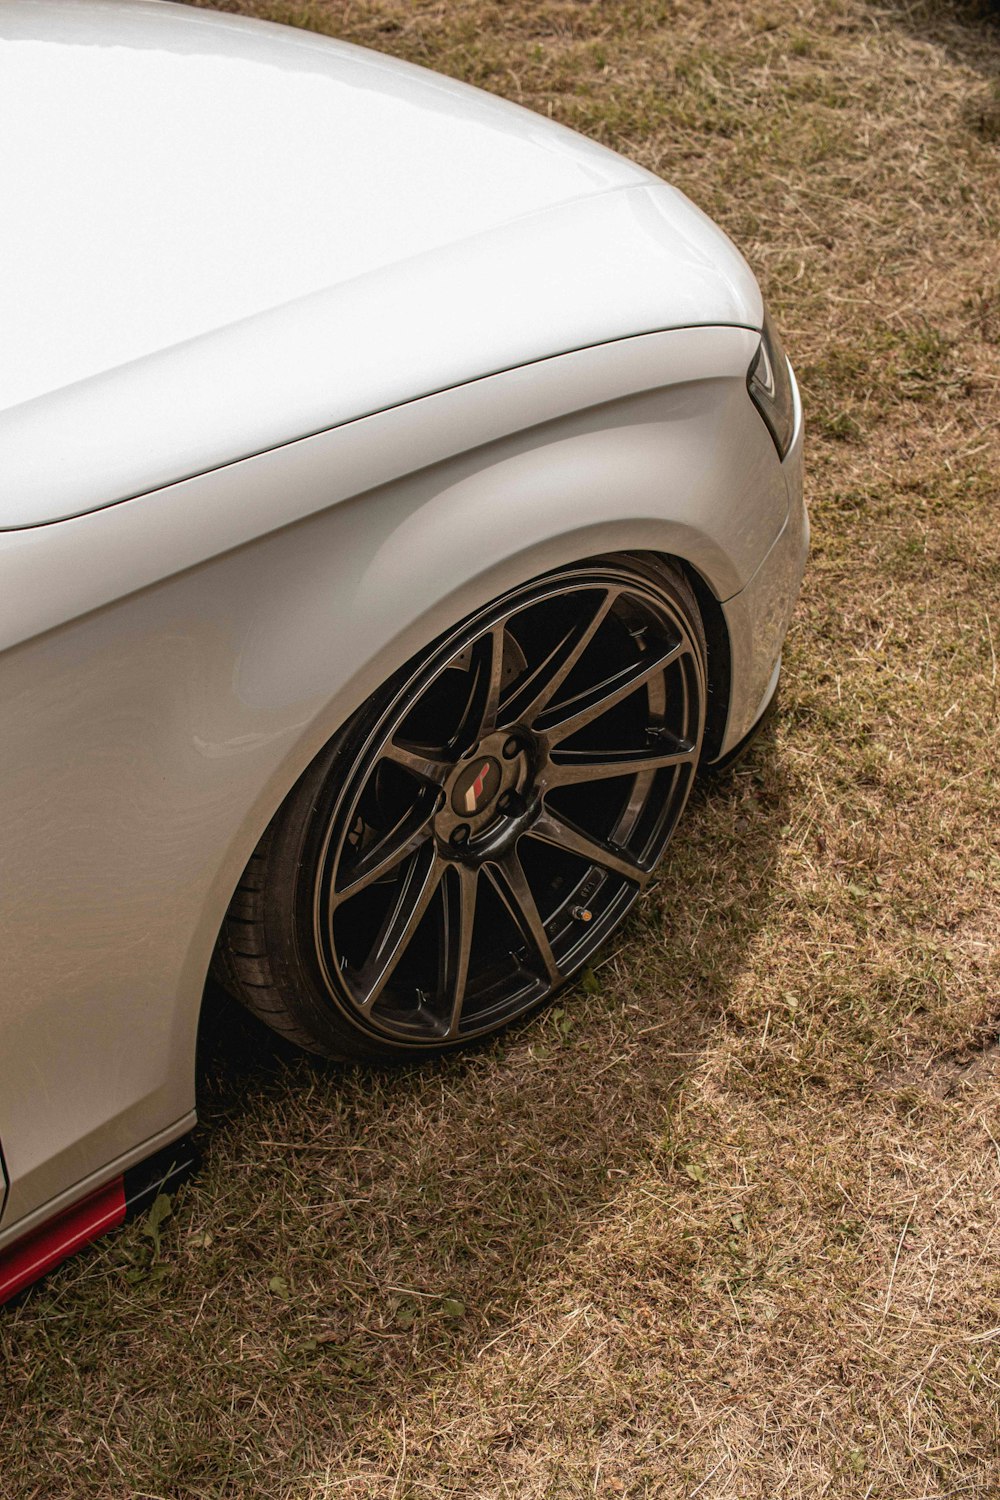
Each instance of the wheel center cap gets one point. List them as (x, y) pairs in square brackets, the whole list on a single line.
[(475, 788)]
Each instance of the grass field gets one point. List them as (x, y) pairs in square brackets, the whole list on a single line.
[(726, 1222)]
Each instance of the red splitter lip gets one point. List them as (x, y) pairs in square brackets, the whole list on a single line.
[(29, 1258)]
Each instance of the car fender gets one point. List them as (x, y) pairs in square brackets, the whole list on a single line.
[(174, 662)]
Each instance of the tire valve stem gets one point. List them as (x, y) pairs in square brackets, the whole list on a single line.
[(582, 913)]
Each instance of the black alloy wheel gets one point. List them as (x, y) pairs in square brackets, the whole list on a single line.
[(478, 830)]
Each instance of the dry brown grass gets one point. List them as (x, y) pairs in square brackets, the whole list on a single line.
[(725, 1224)]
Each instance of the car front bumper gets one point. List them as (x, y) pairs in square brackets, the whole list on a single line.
[(757, 617)]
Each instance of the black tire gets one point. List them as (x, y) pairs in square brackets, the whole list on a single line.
[(487, 818)]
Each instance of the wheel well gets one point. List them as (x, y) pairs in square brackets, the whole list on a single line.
[(719, 658)]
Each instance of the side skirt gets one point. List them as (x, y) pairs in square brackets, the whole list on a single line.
[(32, 1256)]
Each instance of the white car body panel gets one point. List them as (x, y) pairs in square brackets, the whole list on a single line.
[(207, 169), (283, 233), (217, 549)]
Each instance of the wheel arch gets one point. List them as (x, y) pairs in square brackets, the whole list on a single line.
[(335, 711), (720, 658)]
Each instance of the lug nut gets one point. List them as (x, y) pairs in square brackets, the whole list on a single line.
[(511, 748), (460, 835), (506, 802)]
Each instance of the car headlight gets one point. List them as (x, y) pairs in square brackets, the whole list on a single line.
[(769, 382)]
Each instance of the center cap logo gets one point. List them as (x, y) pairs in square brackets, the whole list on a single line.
[(477, 786)]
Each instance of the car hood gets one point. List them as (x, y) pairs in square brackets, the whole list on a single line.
[(221, 235)]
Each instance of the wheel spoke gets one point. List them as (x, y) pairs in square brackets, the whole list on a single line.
[(385, 856), (480, 717), (415, 892), (552, 828), (548, 677), (459, 920), (567, 718), (420, 762), (511, 883), (600, 765)]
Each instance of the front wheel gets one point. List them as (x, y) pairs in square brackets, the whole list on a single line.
[(483, 824)]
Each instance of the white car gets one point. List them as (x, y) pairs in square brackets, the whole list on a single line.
[(401, 500)]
